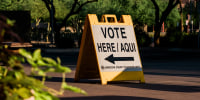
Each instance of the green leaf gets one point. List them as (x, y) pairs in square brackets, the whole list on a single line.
[(43, 95), (72, 88), (41, 73), (11, 62), (49, 70), (30, 61), (24, 92), (14, 96), (20, 59), (37, 54), (2, 34), (26, 54), (50, 61), (58, 60), (31, 83), (17, 58), (10, 22), (63, 69), (18, 75), (41, 63)]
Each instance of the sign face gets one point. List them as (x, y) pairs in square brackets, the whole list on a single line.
[(109, 50), (116, 48)]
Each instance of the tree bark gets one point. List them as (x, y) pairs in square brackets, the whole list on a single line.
[(181, 13), (159, 20)]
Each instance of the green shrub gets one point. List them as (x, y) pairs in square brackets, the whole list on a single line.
[(176, 38), (143, 38), (15, 84), (173, 38)]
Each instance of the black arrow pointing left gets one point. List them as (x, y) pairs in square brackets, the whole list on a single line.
[(112, 59)]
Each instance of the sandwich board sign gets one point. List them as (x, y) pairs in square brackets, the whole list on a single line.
[(109, 50)]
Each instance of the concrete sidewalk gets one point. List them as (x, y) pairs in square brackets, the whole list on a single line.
[(170, 74)]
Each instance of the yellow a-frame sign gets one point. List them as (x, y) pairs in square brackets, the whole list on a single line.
[(109, 50)]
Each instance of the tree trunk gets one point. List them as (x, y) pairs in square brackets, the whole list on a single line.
[(159, 20), (181, 13), (157, 34), (76, 7)]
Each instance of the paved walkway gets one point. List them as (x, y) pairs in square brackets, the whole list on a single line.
[(170, 74)]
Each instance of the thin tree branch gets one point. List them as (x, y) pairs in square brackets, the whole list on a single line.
[(156, 11), (81, 6), (74, 11), (171, 5), (47, 4)]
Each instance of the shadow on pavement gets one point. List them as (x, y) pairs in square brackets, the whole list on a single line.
[(148, 86), (71, 80), (160, 87), (173, 74), (108, 98)]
